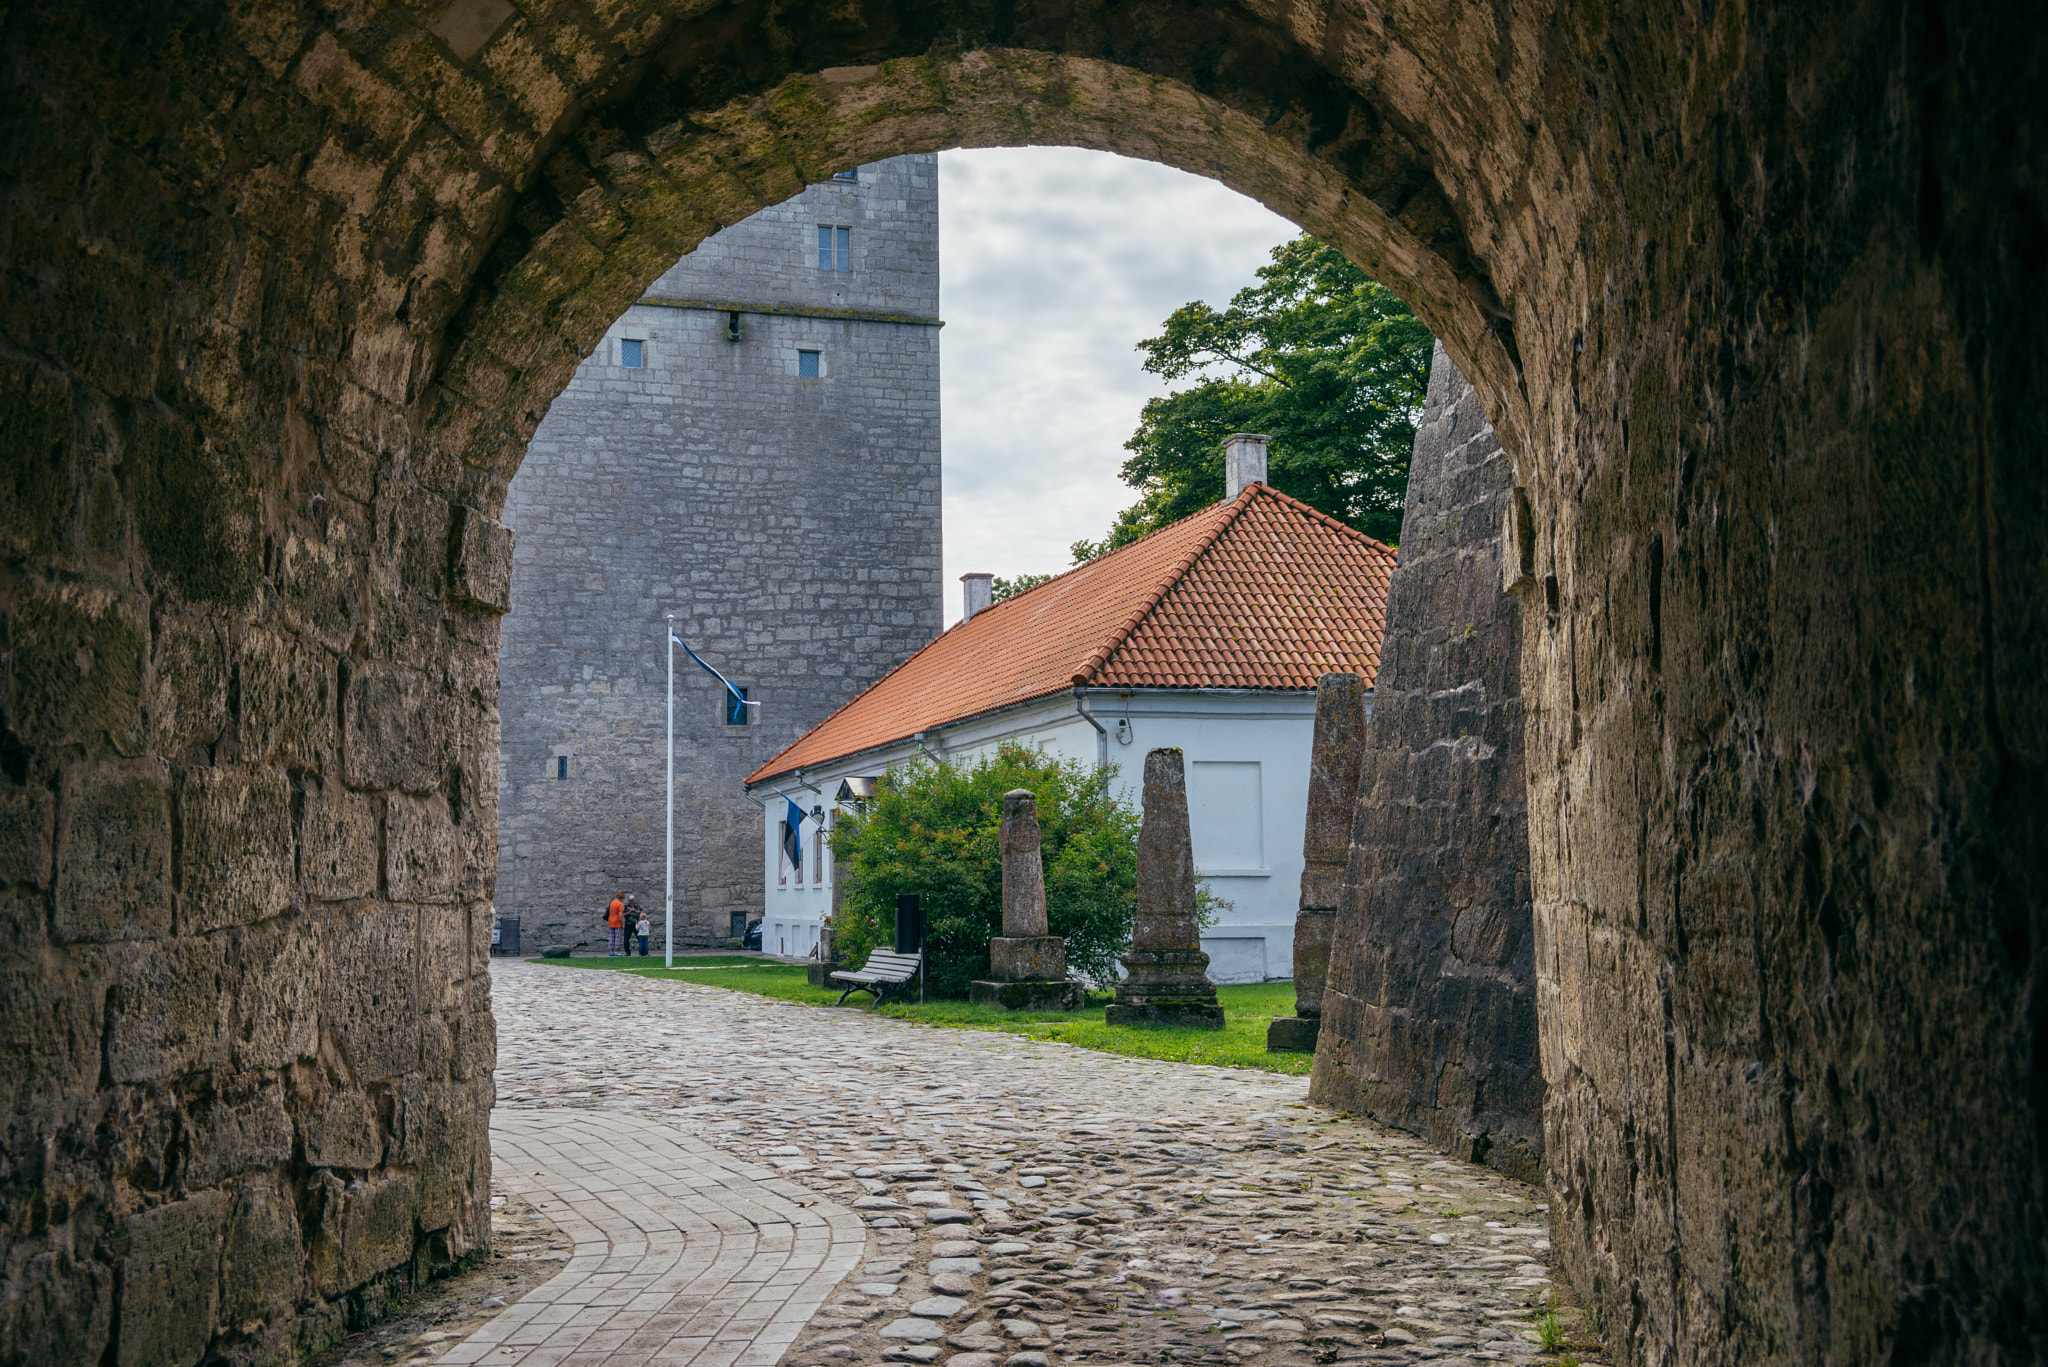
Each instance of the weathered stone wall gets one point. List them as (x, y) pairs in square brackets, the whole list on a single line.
[(1430, 1009), (790, 524), (246, 853), (247, 786), (1751, 294)]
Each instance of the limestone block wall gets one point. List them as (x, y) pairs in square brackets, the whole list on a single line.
[(770, 259), (790, 523), (1429, 1016), (247, 793)]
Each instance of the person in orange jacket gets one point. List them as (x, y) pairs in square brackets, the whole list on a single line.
[(615, 917)]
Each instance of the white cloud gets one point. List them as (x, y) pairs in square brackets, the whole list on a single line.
[(1053, 263)]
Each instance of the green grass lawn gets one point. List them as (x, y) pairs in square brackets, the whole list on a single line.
[(1241, 1043)]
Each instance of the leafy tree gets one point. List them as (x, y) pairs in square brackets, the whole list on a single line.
[(933, 830), (1317, 355), (1002, 588)]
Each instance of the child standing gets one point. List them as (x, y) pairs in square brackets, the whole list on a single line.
[(644, 928)]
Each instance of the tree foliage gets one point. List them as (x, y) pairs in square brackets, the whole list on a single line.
[(933, 830), (1001, 588), (1316, 355)]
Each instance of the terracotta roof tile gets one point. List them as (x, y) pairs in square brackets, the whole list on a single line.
[(1262, 592)]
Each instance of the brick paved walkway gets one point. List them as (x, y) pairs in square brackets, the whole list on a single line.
[(1026, 1204), (683, 1256)]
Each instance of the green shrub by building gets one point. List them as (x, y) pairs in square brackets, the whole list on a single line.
[(932, 830)]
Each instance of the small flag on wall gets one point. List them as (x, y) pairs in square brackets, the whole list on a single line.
[(793, 843)]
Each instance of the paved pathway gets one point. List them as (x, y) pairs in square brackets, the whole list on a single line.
[(1026, 1204), (682, 1256)]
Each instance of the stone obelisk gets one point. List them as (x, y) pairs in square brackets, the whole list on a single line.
[(1168, 982), (1333, 773), (1027, 967)]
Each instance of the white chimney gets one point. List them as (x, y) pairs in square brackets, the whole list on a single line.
[(1244, 461), (977, 591)]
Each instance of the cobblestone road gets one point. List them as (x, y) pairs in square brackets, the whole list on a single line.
[(1030, 1204)]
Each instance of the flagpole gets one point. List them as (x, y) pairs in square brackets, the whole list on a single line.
[(669, 800)]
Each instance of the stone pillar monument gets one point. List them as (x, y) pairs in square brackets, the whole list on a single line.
[(1167, 983), (1027, 967), (1325, 848)]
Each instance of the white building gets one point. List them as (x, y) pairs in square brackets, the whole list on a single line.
[(1208, 635)]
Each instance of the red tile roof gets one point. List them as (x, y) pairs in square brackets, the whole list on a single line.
[(1262, 592)]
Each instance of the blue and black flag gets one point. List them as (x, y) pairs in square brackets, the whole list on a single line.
[(736, 703), (793, 841)]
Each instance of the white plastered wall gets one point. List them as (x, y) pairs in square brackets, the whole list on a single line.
[(1247, 756)]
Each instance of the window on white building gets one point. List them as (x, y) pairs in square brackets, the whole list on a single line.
[(1226, 815)]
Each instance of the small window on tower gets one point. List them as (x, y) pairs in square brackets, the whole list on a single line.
[(835, 248), (736, 709), (632, 353), (561, 766), (807, 365), (854, 174)]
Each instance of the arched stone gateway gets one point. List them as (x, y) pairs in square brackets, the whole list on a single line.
[(1753, 298)]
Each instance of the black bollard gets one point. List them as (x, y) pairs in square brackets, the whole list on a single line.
[(909, 923), (910, 933)]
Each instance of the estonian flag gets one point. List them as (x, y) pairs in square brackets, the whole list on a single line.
[(793, 843), (739, 699)]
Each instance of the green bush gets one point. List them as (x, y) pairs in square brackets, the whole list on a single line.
[(933, 829)]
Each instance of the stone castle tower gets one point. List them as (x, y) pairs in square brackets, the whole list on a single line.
[(754, 447)]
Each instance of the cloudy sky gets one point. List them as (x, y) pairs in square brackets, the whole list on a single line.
[(1053, 263)]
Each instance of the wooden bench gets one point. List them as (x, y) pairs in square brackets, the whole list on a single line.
[(885, 969)]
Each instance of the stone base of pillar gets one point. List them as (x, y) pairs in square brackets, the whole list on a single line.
[(1293, 1034), (820, 975), (1027, 958), (1043, 995), (1187, 1015), (1166, 987)]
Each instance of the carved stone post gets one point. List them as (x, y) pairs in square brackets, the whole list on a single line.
[(1027, 967), (1339, 749), (1168, 984)]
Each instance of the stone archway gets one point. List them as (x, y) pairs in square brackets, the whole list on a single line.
[(1750, 296), (758, 151)]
